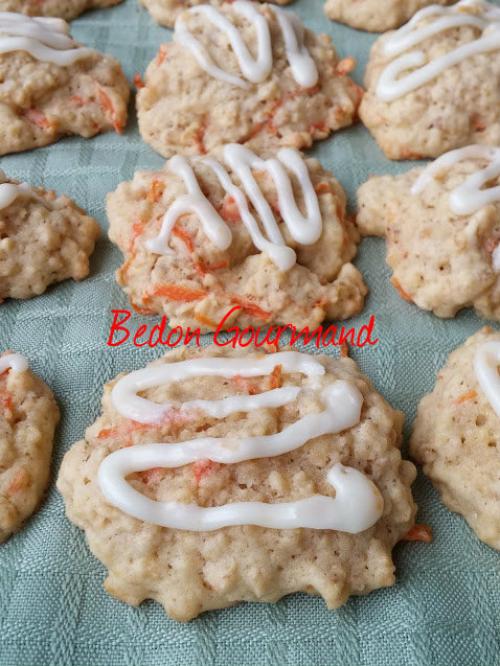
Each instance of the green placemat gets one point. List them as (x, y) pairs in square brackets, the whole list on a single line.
[(445, 607)]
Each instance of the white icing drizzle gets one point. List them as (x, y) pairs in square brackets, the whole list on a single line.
[(305, 230), (46, 39), (254, 70), (486, 362), (357, 505), (10, 191), (13, 361), (476, 13), (469, 197)]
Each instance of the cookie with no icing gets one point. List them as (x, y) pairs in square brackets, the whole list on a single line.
[(455, 434), (291, 479), (65, 9), (165, 12), (265, 238), (244, 73), (28, 417), (44, 239), (442, 226), (376, 15), (431, 84), (52, 86)]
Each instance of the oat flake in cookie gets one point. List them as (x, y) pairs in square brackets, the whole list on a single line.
[(290, 479), (166, 11), (244, 73), (376, 15), (202, 236), (52, 86), (44, 238), (433, 84), (28, 417), (442, 226), (65, 9), (455, 435)]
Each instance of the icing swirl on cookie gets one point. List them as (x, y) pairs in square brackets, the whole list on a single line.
[(46, 39), (305, 230), (14, 362), (395, 81), (471, 195), (254, 69), (357, 504), (486, 363), (10, 191)]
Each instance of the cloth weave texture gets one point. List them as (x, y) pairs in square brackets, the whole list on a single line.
[(445, 607)]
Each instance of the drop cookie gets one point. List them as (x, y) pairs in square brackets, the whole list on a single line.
[(237, 238), (65, 9), (455, 434), (442, 227), (28, 417), (244, 73), (430, 85), (291, 479), (52, 86), (165, 12), (44, 238), (376, 15)]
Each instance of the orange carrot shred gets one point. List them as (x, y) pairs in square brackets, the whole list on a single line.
[(275, 377), (251, 308), (184, 236), (419, 533), (138, 82), (404, 294), (176, 292), (20, 481), (155, 191), (202, 468), (37, 118), (107, 105), (464, 397), (206, 321), (162, 54)]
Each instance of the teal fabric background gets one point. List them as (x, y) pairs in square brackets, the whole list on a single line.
[(445, 607)]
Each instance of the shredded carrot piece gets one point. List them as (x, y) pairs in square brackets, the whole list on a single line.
[(20, 481), (199, 137), (176, 292), (419, 533), (469, 395), (251, 308), (107, 105), (345, 66), (344, 350), (140, 310), (155, 191), (138, 82), (245, 384), (404, 294), (37, 118), (162, 54), (202, 268), (184, 236), (206, 321), (229, 211), (202, 468), (323, 188), (77, 100), (6, 401), (275, 377)]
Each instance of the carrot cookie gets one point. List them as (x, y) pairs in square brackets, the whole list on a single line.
[(43, 239), (455, 435), (244, 73), (290, 480), (52, 86), (376, 15), (167, 11), (28, 417), (431, 85), (265, 239), (66, 9), (442, 225)]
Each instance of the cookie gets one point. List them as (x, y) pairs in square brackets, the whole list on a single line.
[(65, 9), (28, 417), (44, 238), (455, 434), (430, 84), (165, 12), (52, 86), (266, 240), (442, 225), (201, 503), (244, 73), (376, 15)]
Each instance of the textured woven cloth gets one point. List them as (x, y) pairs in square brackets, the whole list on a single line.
[(445, 607)]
